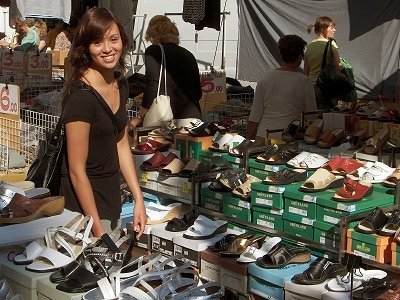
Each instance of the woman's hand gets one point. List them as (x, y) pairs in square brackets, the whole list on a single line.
[(139, 219), (135, 123)]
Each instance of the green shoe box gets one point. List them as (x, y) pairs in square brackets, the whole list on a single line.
[(237, 208), (205, 155), (326, 234), (261, 170), (375, 199), (268, 217), (235, 162), (237, 227), (213, 200), (298, 226), (293, 192), (331, 215), (267, 195), (395, 254), (301, 208), (370, 246)]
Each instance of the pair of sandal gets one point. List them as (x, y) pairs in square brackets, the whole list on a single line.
[(281, 255), (100, 259), (275, 155), (224, 143), (380, 223), (308, 161), (150, 146), (372, 172)]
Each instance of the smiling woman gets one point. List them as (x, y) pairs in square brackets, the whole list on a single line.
[(94, 118)]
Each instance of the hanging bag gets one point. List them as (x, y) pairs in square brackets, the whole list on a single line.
[(332, 82), (45, 171), (160, 112)]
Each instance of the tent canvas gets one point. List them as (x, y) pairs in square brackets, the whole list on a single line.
[(367, 35)]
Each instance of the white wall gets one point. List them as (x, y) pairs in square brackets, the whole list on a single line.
[(4, 23), (207, 38)]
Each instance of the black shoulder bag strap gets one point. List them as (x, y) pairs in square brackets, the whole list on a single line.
[(106, 109), (328, 45)]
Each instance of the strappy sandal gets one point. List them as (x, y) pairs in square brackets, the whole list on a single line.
[(231, 179), (271, 150), (281, 157), (72, 241), (33, 249), (280, 256), (244, 190)]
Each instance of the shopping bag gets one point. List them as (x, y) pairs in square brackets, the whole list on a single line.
[(332, 82), (160, 112)]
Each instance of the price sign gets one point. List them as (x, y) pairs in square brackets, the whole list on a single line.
[(9, 101), (38, 79), (39, 62), (213, 86), (212, 82), (13, 61)]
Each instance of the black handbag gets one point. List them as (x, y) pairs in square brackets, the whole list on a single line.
[(332, 82), (45, 171)]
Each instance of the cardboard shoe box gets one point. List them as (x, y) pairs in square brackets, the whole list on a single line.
[(162, 240), (210, 265), (47, 290), (21, 281)]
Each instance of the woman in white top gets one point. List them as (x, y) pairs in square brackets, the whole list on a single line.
[(324, 29), (283, 94)]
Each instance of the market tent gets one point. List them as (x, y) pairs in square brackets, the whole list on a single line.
[(367, 35)]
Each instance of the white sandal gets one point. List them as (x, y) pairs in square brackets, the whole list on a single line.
[(72, 241), (34, 248)]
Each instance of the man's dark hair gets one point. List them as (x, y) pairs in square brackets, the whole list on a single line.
[(291, 47)]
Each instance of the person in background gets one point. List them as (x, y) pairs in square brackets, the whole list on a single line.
[(30, 40), (64, 38), (183, 79), (96, 151), (52, 34), (283, 94), (41, 29), (324, 29)]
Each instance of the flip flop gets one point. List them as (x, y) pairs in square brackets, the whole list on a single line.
[(204, 228), (322, 180), (280, 256), (158, 213), (251, 254)]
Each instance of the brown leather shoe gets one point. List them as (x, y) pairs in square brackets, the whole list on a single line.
[(22, 209)]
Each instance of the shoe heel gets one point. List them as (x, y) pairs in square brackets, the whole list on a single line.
[(54, 207)]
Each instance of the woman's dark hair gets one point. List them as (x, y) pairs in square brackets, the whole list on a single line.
[(92, 27), (291, 47)]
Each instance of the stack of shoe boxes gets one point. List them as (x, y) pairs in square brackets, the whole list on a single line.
[(236, 208), (267, 204)]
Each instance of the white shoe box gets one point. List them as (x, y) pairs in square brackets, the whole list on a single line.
[(21, 281), (46, 290), (26, 232)]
